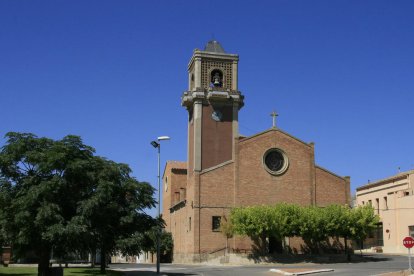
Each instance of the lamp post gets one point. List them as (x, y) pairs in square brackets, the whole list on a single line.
[(157, 145)]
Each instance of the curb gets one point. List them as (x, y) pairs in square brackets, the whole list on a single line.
[(301, 273)]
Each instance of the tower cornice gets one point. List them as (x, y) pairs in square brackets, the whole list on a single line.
[(211, 95), (198, 54)]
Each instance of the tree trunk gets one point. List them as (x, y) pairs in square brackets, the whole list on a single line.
[(43, 268), (264, 245), (93, 258), (103, 260), (226, 252), (348, 255)]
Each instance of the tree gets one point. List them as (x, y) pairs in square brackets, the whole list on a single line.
[(363, 222), (114, 212), (149, 242), (356, 223), (313, 224), (261, 223), (257, 222), (289, 219), (39, 192), (5, 202), (56, 195), (338, 222), (226, 228)]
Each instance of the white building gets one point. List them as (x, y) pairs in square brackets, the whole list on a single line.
[(393, 200)]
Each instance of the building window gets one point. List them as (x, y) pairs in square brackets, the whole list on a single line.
[(377, 205), (363, 202), (370, 202), (216, 223), (371, 234), (189, 224), (385, 203), (275, 161), (411, 231), (379, 234)]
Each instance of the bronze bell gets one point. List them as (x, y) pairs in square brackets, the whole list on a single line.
[(216, 80)]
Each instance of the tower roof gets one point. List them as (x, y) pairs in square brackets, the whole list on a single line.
[(214, 46)]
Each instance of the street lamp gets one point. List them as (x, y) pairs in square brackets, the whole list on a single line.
[(157, 145)]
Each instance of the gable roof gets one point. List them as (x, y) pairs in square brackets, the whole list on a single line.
[(241, 140), (328, 171)]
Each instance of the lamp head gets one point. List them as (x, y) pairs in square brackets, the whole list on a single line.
[(163, 138)]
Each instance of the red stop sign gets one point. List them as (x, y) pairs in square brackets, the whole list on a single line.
[(408, 242)]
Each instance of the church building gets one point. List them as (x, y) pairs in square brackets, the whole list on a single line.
[(225, 169)]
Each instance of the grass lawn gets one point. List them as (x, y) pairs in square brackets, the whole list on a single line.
[(71, 271)]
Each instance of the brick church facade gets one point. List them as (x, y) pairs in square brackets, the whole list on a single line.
[(226, 170)]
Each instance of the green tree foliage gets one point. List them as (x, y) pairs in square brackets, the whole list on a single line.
[(5, 203), (40, 176), (149, 243), (226, 228), (257, 222), (263, 222), (113, 213), (57, 195), (313, 224), (363, 222), (289, 216)]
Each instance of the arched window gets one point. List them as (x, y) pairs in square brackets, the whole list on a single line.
[(216, 78)]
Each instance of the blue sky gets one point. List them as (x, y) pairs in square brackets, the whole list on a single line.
[(339, 73)]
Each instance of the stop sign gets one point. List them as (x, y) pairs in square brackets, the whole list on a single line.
[(408, 242)]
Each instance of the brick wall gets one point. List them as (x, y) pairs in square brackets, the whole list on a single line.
[(257, 186), (216, 137), (245, 182), (175, 176), (178, 220), (217, 198), (330, 189)]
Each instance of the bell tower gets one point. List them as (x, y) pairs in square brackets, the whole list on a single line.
[(213, 102)]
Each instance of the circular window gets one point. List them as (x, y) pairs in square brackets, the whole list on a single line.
[(275, 161)]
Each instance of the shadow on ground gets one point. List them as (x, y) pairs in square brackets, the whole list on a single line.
[(86, 271), (317, 259), (152, 273)]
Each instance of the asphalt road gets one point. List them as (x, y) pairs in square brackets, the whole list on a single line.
[(371, 265)]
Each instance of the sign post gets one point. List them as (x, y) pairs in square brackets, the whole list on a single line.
[(408, 242)]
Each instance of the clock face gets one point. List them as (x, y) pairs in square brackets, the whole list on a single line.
[(216, 115)]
